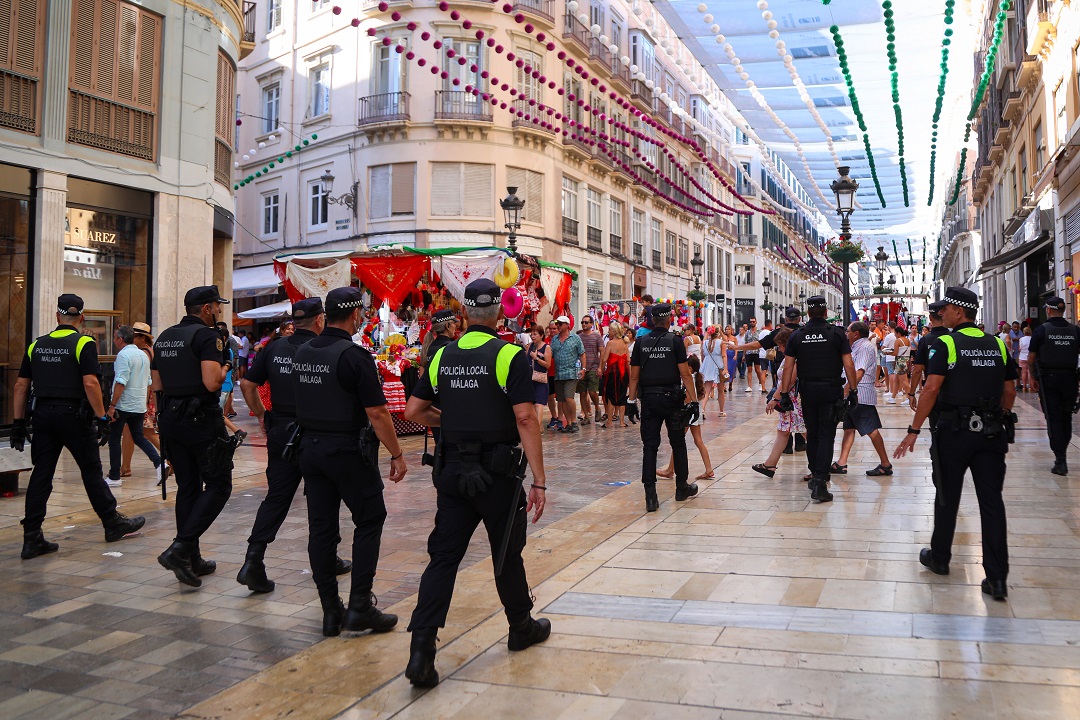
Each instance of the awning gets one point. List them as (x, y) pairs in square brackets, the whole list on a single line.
[(255, 281), (1017, 255), (278, 310)]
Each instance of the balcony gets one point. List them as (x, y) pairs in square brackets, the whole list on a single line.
[(543, 9), (1004, 132), (458, 105), (599, 53), (223, 158), (522, 123), (615, 245), (574, 30), (1012, 105), (247, 41), (594, 239), (642, 95), (1025, 71), (570, 231), (621, 73), (748, 239), (18, 102), (1039, 27), (656, 264), (111, 126), (576, 145), (384, 108)]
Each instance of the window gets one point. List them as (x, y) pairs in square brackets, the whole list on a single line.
[(273, 15), (528, 87), (1061, 102), (710, 266), (593, 234), (656, 240), (615, 288), (637, 234), (389, 71), (225, 120), (615, 228), (643, 54), (684, 253), (594, 290), (462, 189), (569, 210), (1023, 189), (744, 274), (617, 25), (317, 5), (471, 51), (596, 15), (1040, 147), (572, 86), (392, 190), (21, 51), (670, 244), (530, 188), (271, 202), (319, 82), (319, 207), (271, 108)]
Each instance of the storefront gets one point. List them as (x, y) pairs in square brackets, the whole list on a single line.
[(744, 310), (16, 280)]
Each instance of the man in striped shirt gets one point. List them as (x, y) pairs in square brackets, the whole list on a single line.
[(864, 416)]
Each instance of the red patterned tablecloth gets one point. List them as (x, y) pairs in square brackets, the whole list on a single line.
[(395, 403)]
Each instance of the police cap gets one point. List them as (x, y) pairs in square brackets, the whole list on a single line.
[(936, 307), (443, 316), (481, 293), (307, 308), (793, 313), (1055, 303), (69, 304), (344, 298), (816, 301), (661, 311), (203, 295), (961, 297)]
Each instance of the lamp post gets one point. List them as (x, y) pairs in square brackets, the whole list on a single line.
[(845, 188), (892, 290), (696, 265), (512, 206), (347, 199), (766, 286), (880, 261), (802, 299)]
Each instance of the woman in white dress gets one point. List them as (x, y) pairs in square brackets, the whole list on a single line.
[(714, 367)]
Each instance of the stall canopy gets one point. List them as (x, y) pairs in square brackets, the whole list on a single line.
[(251, 282), (276, 311)]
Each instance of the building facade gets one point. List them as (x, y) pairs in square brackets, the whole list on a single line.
[(116, 128), (417, 161)]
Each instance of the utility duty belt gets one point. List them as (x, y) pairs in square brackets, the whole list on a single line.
[(59, 402), (662, 390), (481, 463), (988, 419), (191, 408)]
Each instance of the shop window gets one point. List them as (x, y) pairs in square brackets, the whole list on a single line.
[(15, 220)]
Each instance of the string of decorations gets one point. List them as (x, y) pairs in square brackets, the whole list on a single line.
[(939, 102), (980, 90), (894, 80), (280, 160), (841, 55)]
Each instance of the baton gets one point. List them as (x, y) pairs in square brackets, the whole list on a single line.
[(158, 397), (504, 542)]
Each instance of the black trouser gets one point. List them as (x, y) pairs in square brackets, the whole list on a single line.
[(201, 492), (656, 410), (282, 480), (1057, 389), (134, 423), (960, 451), (456, 519), (334, 472), (818, 405), (57, 427)]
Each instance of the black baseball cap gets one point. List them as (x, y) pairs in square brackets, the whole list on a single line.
[(203, 295), (69, 304), (1055, 303), (936, 307), (307, 308), (345, 298), (793, 313), (481, 293)]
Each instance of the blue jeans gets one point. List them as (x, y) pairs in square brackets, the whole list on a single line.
[(134, 422)]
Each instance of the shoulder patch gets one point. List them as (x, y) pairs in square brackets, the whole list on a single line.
[(220, 345)]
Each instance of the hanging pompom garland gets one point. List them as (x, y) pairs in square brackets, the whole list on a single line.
[(841, 57), (894, 80), (280, 160), (938, 103)]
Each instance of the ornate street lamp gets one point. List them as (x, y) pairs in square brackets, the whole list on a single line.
[(892, 291), (845, 188), (512, 206), (696, 264), (766, 285), (802, 299), (347, 199), (880, 261)]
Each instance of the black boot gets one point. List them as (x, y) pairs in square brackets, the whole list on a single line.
[(201, 566), (253, 571), (800, 443), (685, 491), (529, 633), (34, 544), (342, 566), (652, 503), (1060, 467), (363, 615), (332, 612), (118, 525), (995, 588), (178, 559), (819, 489), (421, 668)]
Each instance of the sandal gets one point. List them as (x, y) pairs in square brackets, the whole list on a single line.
[(880, 470), (125, 474), (723, 414), (705, 476), (763, 469), (839, 469)]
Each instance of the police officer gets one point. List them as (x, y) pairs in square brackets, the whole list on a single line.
[(443, 327), (922, 350), (1055, 347), (68, 413), (189, 368), (820, 352), (485, 393), (660, 376), (274, 365), (970, 385), (341, 410)]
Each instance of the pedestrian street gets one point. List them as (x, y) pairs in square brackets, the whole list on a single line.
[(747, 601)]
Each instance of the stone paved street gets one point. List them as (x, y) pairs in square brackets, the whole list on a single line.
[(747, 601)]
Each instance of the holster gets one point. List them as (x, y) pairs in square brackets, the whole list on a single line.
[(290, 453), (217, 460), (367, 443), (85, 413), (473, 476)]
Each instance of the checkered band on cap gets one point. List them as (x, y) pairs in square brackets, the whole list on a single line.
[(953, 300), (349, 304), (481, 300), (816, 301)]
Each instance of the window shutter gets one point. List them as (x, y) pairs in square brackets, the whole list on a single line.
[(380, 191), (29, 23), (83, 32), (6, 14), (226, 90), (106, 50), (403, 194), (478, 189), (534, 197), (446, 188), (148, 67), (515, 177), (125, 61)]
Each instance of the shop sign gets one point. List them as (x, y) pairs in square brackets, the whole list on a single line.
[(342, 224), (744, 302)]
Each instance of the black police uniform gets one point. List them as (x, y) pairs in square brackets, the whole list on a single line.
[(336, 381), (818, 348), (1056, 344), (975, 375), (437, 343), (478, 428), (190, 423), (56, 364), (658, 355)]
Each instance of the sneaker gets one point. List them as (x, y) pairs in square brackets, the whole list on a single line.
[(890, 400), (749, 389), (553, 424), (113, 483)]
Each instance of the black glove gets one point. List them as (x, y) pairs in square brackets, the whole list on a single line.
[(852, 398), (474, 480), (785, 403), (20, 433), (692, 411), (1010, 427), (102, 427)]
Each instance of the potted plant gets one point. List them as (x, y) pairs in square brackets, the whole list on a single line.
[(696, 295), (881, 290), (844, 250), (767, 306)]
